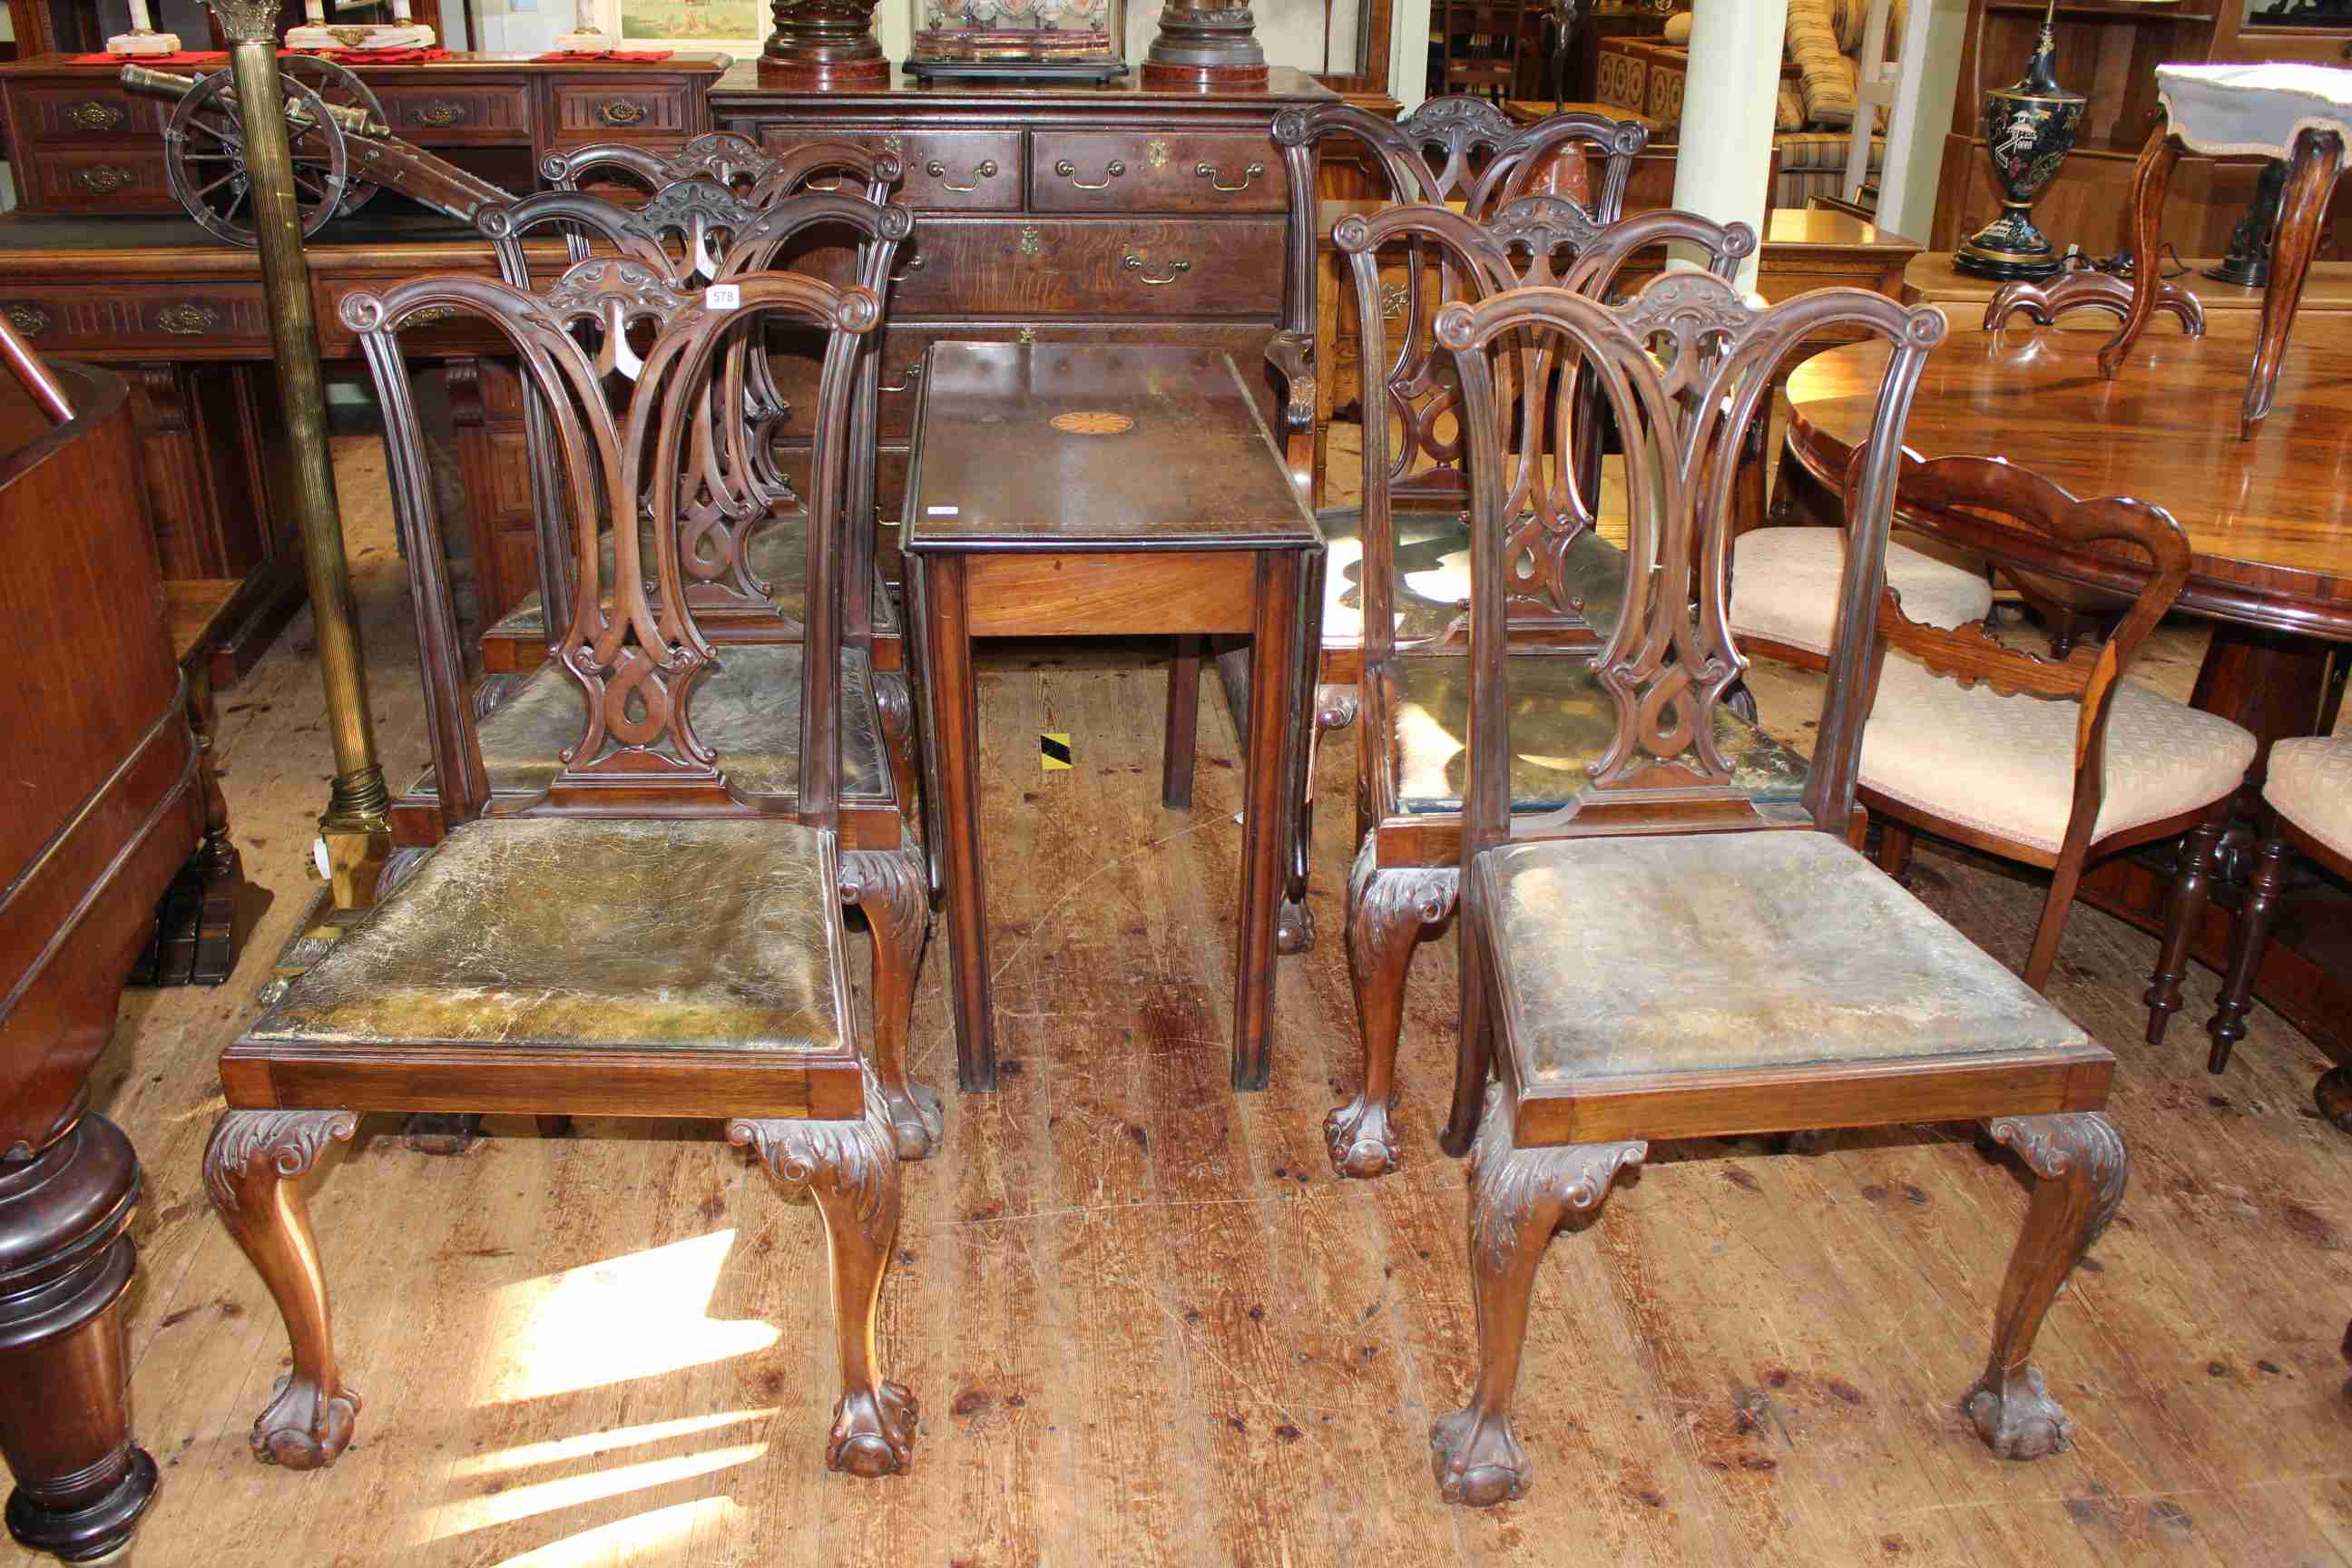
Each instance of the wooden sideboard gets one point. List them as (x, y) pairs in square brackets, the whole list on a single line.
[(184, 319), (80, 144), (1056, 214)]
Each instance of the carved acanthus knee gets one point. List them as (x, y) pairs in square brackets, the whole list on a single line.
[(892, 888), (1389, 910), (2081, 1167), (252, 1170), (851, 1171)]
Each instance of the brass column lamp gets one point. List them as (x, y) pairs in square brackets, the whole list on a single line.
[(356, 831)]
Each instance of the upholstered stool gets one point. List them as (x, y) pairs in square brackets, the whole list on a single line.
[(2296, 112)]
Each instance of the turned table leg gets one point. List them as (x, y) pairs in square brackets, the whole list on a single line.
[(253, 1170), (65, 1405)]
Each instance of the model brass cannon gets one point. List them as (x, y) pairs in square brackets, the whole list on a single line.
[(343, 150)]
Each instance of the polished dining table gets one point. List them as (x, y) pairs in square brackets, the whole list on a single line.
[(2269, 519)]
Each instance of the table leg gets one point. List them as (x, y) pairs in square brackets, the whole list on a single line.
[(1273, 632), (955, 726), (2311, 180), (1180, 737), (2150, 179)]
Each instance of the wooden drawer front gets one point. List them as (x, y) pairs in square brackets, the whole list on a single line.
[(444, 329), (1114, 266), (97, 114), (203, 319), (453, 116), (947, 170), (119, 180), (624, 108), (1133, 171), (889, 477)]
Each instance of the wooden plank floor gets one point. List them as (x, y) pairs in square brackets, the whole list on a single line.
[(1146, 1324)]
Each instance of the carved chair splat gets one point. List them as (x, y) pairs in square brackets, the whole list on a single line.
[(1996, 748), (1669, 954), (643, 958)]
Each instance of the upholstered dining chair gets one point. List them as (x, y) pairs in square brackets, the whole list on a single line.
[(1670, 953), (608, 941), (750, 709), (1405, 611), (2307, 796), (2051, 762)]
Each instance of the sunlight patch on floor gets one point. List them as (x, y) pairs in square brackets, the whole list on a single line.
[(566, 1450), (613, 1321)]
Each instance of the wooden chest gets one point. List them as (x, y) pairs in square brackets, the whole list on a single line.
[(1054, 215), (80, 144)]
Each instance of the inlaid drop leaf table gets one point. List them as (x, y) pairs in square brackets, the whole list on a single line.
[(2269, 518), (1083, 490)]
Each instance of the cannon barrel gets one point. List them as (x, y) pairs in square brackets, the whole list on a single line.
[(171, 85)]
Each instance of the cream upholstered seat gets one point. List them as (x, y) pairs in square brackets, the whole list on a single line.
[(1703, 952), (1784, 586), (2310, 784), (747, 709), (2006, 764), (552, 932)]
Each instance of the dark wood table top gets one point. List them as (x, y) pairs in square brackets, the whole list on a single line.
[(1094, 446), (2270, 519)]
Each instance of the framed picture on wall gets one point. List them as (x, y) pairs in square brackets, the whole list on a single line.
[(738, 27)]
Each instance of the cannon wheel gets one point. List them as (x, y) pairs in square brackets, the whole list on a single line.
[(342, 88), (204, 158)]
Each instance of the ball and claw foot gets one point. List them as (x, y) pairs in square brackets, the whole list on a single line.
[(1477, 1460), (2019, 1420), (1359, 1139), (917, 1122), (873, 1434), (2333, 1094), (1294, 927), (304, 1429)]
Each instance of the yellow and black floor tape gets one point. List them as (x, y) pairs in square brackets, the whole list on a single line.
[(1054, 752)]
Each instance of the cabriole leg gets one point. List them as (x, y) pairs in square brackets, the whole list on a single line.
[(851, 1171), (1388, 910), (253, 1170), (890, 887), (1519, 1197), (2079, 1166)]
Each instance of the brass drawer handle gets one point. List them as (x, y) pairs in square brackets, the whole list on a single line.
[(913, 267), (29, 319), (622, 111), (938, 170), (102, 179), (1209, 172), (914, 374), (93, 115), (187, 321), (1111, 170), (441, 112), (1135, 264)]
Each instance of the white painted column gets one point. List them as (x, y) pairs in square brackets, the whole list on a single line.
[(1725, 152)]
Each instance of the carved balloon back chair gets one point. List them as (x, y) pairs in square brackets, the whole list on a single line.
[(1406, 608), (604, 941), (2054, 762), (750, 713), (1673, 953)]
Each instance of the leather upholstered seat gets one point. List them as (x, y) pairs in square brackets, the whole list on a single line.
[(1432, 554), (570, 933), (748, 710), (1560, 719), (1709, 952)]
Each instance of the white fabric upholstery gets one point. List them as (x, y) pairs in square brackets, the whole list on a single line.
[(1784, 586), (2310, 784), (2006, 764), (2224, 109)]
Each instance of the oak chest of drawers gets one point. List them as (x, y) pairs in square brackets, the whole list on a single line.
[(80, 144), (1054, 215)]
